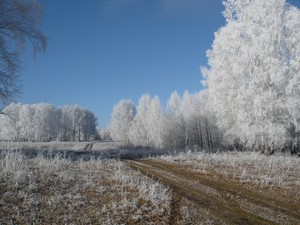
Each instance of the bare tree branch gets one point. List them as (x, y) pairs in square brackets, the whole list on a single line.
[(20, 22)]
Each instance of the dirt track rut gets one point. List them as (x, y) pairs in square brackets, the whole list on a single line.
[(228, 202)]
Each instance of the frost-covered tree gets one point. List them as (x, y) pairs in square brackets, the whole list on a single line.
[(104, 135), (88, 126), (121, 120), (292, 36), (209, 136), (186, 122), (70, 120), (148, 128), (139, 133), (253, 72), (190, 122), (156, 124), (77, 124), (10, 125), (175, 122), (27, 123), (44, 122)]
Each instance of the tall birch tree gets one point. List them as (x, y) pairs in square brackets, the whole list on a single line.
[(253, 72)]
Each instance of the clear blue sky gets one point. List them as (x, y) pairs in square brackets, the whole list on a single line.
[(102, 51)]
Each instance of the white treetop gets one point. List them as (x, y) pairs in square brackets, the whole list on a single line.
[(121, 120)]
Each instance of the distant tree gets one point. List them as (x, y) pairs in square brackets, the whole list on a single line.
[(19, 25), (175, 122), (190, 121), (70, 120), (44, 122), (121, 120), (149, 126), (88, 126), (77, 124), (10, 124), (156, 124), (27, 123), (139, 133), (104, 135), (212, 136), (186, 122)]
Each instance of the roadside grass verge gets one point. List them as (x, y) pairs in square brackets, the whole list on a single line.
[(277, 171)]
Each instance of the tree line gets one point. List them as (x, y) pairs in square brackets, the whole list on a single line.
[(44, 122), (184, 122), (251, 98)]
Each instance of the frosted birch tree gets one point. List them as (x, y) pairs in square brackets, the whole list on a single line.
[(175, 122), (156, 124), (250, 72), (44, 122), (88, 126), (121, 120), (77, 124), (148, 129), (10, 125), (27, 123), (139, 133), (190, 122)]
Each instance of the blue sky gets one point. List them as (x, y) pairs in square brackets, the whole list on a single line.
[(102, 51)]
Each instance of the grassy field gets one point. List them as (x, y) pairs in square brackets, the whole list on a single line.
[(55, 190), (57, 145), (278, 170), (176, 188)]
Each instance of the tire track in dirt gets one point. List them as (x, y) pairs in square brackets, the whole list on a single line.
[(88, 146), (221, 196), (175, 208), (226, 187)]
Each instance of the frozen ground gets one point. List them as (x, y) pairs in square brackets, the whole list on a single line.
[(228, 187), (56, 145), (82, 150), (84, 183), (57, 190)]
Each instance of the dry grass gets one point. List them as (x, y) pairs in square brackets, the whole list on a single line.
[(58, 191), (58, 145), (210, 197), (53, 145), (277, 171)]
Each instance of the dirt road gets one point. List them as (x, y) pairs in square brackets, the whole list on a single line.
[(199, 198)]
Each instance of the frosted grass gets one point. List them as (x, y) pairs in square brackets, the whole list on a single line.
[(58, 190), (276, 170)]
